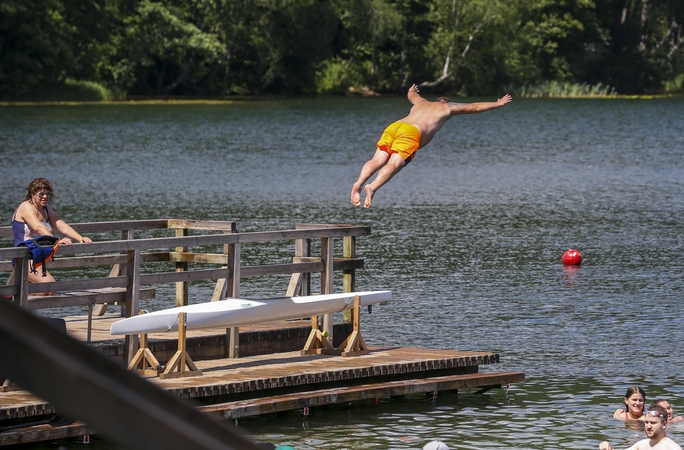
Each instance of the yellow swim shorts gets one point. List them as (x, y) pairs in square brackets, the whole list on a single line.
[(402, 138)]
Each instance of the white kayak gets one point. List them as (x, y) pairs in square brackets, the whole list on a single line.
[(233, 312)]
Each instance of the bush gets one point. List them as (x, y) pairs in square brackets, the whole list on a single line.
[(564, 90), (71, 91)]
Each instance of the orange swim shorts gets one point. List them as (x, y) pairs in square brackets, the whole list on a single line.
[(402, 138)]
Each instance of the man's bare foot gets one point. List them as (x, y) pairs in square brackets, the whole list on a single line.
[(356, 195), (369, 196)]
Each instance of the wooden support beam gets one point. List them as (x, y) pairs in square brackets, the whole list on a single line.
[(221, 287), (327, 279), (292, 401), (176, 367), (181, 286), (144, 361), (116, 271), (233, 290), (349, 276), (354, 345), (132, 298), (317, 344)]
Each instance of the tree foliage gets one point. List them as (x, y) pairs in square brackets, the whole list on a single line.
[(223, 47)]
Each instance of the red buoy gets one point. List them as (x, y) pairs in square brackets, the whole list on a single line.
[(572, 257)]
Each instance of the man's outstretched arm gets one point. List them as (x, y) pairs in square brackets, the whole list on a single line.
[(413, 95), (474, 108)]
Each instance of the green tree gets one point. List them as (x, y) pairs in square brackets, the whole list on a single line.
[(468, 46), (161, 49), (643, 47), (32, 44), (361, 58)]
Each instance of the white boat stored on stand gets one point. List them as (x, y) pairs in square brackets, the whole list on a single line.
[(233, 312)]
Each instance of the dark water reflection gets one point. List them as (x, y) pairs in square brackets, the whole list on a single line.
[(468, 237)]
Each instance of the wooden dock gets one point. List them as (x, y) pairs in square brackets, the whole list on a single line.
[(240, 372), (233, 388)]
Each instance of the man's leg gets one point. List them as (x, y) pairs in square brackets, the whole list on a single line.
[(391, 168), (379, 160)]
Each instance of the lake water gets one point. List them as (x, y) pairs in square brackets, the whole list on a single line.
[(469, 238)]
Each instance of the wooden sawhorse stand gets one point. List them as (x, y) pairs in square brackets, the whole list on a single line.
[(353, 345), (176, 366), (317, 344), (144, 361)]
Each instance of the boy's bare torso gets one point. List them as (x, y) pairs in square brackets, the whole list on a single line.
[(428, 117)]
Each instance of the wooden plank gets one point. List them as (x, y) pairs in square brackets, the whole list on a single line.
[(45, 432), (71, 285), (97, 260), (245, 272), (85, 297), (195, 241), (200, 258), (97, 227), (218, 225), (288, 402)]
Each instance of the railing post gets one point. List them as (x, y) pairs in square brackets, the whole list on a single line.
[(300, 283), (181, 286), (327, 279), (132, 299), (21, 271), (99, 310), (349, 276), (306, 281), (221, 289), (233, 290)]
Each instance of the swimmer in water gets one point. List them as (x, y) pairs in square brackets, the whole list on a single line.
[(655, 423), (670, 414), (635, 400)]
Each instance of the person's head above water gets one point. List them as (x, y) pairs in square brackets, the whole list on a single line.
[(670, 413), (635, 400)]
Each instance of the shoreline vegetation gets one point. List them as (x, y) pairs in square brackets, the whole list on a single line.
[(83, 93), (107, 50)]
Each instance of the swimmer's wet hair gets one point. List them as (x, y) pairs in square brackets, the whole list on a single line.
[(443, 99), (657, 411)]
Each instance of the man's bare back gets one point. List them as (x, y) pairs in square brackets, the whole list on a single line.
[(428, 117)]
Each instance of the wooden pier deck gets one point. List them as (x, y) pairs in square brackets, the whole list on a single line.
[(231, 388), (270, 375)]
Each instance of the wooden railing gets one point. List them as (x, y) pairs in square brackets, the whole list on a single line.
[(129, 254)]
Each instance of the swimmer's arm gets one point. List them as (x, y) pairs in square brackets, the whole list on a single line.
[(474, 108), (605, 445), (413, 95)]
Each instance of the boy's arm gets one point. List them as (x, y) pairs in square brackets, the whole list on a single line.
[(474, 108), (413, 95)]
